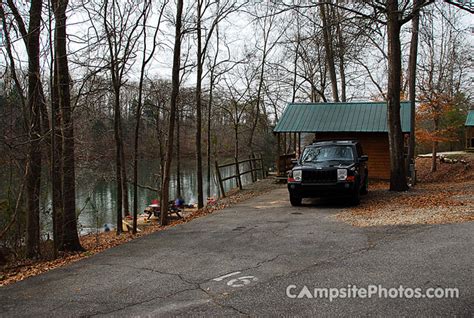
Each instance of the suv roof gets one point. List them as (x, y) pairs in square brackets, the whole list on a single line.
[(332, 142)]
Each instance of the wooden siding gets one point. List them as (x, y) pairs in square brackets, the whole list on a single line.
[(469, 138), (375, 145)]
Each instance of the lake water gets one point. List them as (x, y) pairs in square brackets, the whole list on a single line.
[(96, 198), (96, 190)]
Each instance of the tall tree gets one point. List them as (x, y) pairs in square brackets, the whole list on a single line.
[(222, 10), (443, 70), (200, 62), (70, 237), (35, 101), (329, 49), (268, 23), (56, 144), (146, 58), (415, 24), (175, 80), (36, 119), (395, 136), (120, 24)]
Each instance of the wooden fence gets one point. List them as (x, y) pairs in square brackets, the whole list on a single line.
[(256, 165)]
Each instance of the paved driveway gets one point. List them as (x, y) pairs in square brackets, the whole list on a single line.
[(241, 260)]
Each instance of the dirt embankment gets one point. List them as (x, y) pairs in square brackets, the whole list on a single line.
[(444, 196)]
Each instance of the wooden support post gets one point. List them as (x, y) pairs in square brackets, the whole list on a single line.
[(294, 142), (288, 143), (299, 145), (219, 180), (278, 154), (237, 173)]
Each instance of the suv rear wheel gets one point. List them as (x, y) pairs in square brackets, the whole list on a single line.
[(365, 187)]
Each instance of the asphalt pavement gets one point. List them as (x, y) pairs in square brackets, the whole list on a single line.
[(263, 257)]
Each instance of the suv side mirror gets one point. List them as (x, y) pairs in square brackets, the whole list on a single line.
[(294, 161), (363, 158)]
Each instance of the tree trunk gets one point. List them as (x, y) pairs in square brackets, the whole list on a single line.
[(259, 96), (412, 85), (236, 141), (341, 55), (178, 153), (295, 70), (209, 113), (33, 178), (56, 157), (435, 142), (434, 150), (118, 158), (327, 37), (173, 104), (145, 61), (398, 180), (200, 196), (126, 202), (70, 239), (135, 152)]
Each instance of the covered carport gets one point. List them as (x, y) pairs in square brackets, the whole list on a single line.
[(364, 121)]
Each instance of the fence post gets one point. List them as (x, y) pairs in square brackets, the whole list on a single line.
[(252, 172), (261, 166), (219, 179), (237, 173)]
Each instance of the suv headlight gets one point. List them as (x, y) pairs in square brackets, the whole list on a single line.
[(297, 175), (341, 174)]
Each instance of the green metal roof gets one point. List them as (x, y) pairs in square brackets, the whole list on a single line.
[(330, 117), (470, 118)]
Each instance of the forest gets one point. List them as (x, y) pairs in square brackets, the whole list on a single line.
[(113, 90)]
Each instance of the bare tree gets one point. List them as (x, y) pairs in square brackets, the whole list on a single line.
[(35, 102), (121, 36), (442, 72), (329, 49), (222, 10), (267, 23), (146, 58), (415, 24), (70, 238), (173, 102)]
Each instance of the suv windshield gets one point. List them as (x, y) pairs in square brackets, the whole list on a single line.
[(327, 153)]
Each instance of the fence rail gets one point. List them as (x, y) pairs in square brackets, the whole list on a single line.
[(255, 163)]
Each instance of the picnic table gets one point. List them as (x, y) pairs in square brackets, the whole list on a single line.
[(155, 210)]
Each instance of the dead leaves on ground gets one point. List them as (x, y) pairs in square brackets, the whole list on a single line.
[(446, 196)]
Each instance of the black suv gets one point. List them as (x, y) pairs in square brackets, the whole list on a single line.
[(329, 168)]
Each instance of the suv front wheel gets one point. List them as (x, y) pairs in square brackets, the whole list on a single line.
[(295, 200), (355, 199)]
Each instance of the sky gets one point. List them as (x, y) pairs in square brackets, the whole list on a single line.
[(239, 31)]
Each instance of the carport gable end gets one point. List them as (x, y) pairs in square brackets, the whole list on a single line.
[(364, 121)]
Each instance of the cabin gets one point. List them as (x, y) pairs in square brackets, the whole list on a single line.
[(364, 121), (470, 131)]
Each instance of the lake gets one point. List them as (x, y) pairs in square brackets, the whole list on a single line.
[(96, 197), (96, 190)]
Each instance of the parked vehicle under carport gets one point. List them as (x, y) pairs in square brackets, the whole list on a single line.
[(336, 168)]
